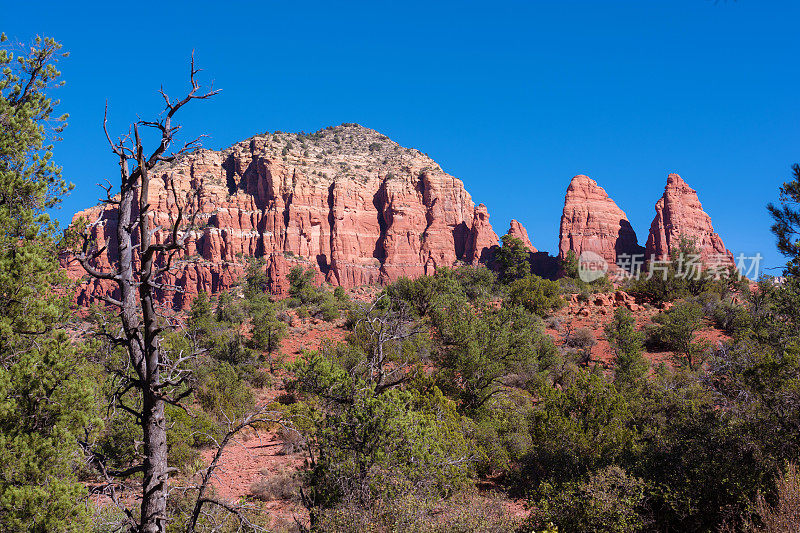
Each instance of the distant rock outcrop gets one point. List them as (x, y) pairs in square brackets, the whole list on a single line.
[(591, 221), (679, 212), (346, 200), (482, 237), (360, 210), (518, 230)]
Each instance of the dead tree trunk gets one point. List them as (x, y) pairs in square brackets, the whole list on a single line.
[(140, 265)]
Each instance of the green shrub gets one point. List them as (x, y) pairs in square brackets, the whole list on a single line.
[(609, 500), (675, 330), (627, 341), (674, 279), (329, 309), (301, 284), (537, 295), (483, 347), (340, 294), (478, 282), (221, 391), (571, 282), (188, 432), (731, 317), (512, 259)]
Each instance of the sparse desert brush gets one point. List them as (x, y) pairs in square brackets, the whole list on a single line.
[(554, 322), (282, 484), (292, 440), (784, 515), (424, 513), (583, 338)]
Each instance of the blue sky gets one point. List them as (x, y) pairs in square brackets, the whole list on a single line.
[(514, 98)]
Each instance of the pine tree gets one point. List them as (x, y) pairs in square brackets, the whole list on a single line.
[(787, 221), (630, 366), (512, 259), (46, 395)]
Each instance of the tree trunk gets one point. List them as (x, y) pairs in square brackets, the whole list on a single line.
[(143, 351), (154, 425), (154, 500)]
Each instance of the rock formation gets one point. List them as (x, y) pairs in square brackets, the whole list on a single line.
[(346, 200), (591, 221), (678, 212), (482, 237), (518, 230)]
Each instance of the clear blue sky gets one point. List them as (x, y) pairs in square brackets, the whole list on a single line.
[(514, 98)]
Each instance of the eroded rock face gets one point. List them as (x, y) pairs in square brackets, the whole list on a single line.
[(591, 221), (347, 201), (679, 212), (518, 230), (482, 238)]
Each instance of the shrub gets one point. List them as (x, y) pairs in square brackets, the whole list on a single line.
[(259, 379), (627, 343), (292, 440), (229, 309), (785, 514), (256, 281), (422, 512), (675, 329), (571, 282), (537, 295), (512, 259), (329, 309), (187, 433), (222, 392), (301, 284), (731, 317), (476, 281), (483, 347), (280, 485), (340, 294), (609, 500), (583, 338), (569, 265), (554, 322), (427, 294), (675, 279)]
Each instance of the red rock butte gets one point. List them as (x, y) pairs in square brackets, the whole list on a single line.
[(679, 212), (591, 221), (346, 200)]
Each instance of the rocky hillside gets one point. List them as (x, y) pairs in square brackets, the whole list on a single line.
[(358, 207)]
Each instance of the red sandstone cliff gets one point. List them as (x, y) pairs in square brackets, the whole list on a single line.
[(356, 206), (591, 221), (679, 212)]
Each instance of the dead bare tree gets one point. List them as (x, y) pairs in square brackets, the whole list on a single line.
[(140, 265), (383, 334)]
